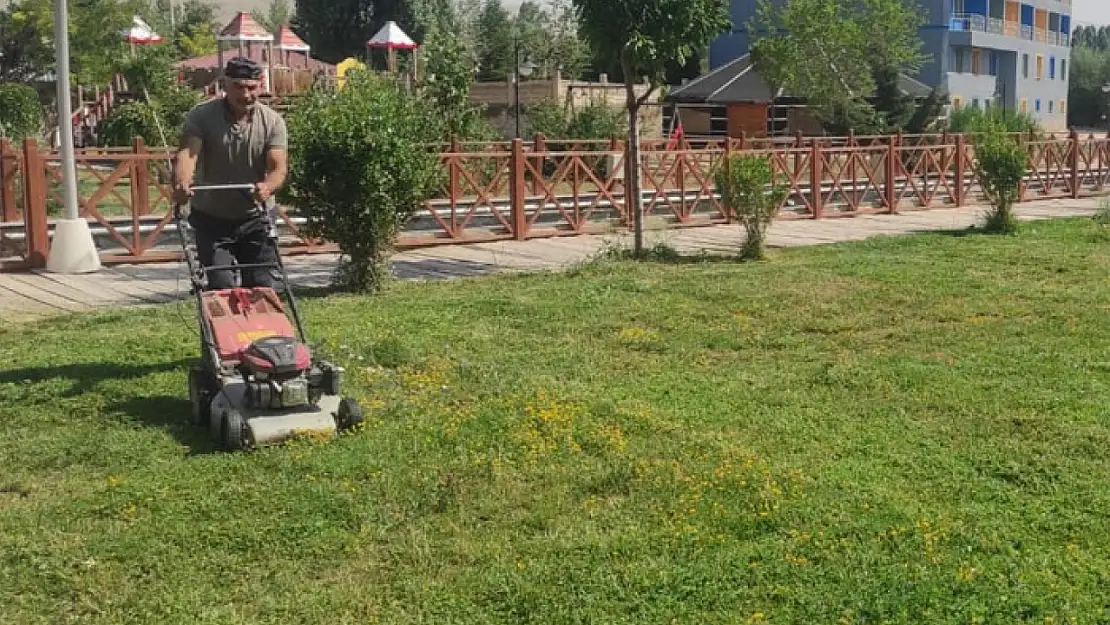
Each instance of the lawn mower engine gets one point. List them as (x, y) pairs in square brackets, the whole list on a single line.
[(276, 369)]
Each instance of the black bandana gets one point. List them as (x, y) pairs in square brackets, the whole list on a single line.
[(240, 68)]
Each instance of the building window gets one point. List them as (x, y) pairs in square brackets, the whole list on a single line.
[(1051, 105), (1063, 106), (1025, 66), (1040, 66), (975, 103), (1052, 68), (1063, 69), (1024, 105), (1037, 105), (956, 101)]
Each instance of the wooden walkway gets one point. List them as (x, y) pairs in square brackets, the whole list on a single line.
[(28, 296)]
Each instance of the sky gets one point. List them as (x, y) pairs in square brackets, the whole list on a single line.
[(1090, 12)]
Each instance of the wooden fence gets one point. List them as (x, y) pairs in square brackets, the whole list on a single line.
[(544, 188)]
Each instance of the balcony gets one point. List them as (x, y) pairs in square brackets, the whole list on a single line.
[(972, 23)]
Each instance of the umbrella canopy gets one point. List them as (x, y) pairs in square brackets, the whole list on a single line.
[(392, 37), (141, 33)]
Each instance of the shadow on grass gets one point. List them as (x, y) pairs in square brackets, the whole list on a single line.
[(171, 413), (84, 377)]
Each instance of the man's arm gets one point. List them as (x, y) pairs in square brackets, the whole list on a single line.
[(186, 162), (277, 161)]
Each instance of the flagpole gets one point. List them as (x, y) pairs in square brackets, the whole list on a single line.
[(72, 249)]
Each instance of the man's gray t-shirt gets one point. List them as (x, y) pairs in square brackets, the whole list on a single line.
[(232, 154)]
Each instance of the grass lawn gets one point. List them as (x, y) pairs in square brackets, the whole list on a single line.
[(903, 430)]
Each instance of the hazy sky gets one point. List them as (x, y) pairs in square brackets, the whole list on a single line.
[(1090, 12)]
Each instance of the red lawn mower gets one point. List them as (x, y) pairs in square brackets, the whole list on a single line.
[(257, 382)]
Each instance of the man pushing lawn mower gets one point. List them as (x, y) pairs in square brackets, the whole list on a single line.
[(234, 139), (257, 382)]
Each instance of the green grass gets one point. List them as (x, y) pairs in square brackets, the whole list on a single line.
[(903, 430)]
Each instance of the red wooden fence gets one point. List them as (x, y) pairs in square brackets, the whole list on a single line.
[(518, 190)]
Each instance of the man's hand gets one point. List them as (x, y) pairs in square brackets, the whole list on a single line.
[(263, 192), (182, 193)]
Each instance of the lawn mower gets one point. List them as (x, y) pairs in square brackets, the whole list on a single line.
[(257, 382)]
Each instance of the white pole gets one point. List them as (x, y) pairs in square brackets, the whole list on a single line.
[(72, 249), (65, 111)]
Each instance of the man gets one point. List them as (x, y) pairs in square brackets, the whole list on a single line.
[(233, 140)]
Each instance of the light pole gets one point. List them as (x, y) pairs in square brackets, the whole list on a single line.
[(520, 69), (73, 249)]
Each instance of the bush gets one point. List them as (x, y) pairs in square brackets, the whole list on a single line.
[(142, 119), (20, 112), (358, 170), (1000, 165), (592, 121), (747, 187), (973, 120)]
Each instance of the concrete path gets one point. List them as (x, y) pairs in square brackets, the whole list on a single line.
[(28, 296)]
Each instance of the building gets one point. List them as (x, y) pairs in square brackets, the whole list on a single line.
[(983, 52), (734, 100)]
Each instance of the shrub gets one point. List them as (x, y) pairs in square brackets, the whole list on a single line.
[(1000, 163), (358, 169), (592, 121), (972, 120), (747, 187), (20, 112), (142, 119)]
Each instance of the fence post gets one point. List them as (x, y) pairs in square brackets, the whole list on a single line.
[(517, 192), (1074, 158), (34, 204), (816, 175), (961, 162), (140, 180), (8, 206), (892, 175)]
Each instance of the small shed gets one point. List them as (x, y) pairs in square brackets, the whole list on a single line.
[(734, 99)]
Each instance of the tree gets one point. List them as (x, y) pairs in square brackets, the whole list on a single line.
[(1089, 70), (275, 16), (338, 29), (192, 30), (496, 54), (24, 53), (647, 35), (549, 38), (843, 57), (20, 112), (95, 43), (446, 87), (359, 168)]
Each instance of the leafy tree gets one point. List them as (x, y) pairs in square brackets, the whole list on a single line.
[(553, 120), (446, 86), (647, 35), (1089, 70), (24, 51), (358, 169), (20, 112), (338, 29), (973, 120), (549, 38), (96, 46), (276, 15), (843, 57), (192, 30), (496, 53)]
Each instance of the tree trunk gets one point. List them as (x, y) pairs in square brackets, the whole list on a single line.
[(634, 182)]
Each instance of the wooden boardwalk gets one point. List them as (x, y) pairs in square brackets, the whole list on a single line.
[(28, 296)]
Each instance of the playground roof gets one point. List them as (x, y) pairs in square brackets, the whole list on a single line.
[(391, 36), (242, 27)]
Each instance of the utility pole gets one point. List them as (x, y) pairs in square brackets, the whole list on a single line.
[(72, 249)]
